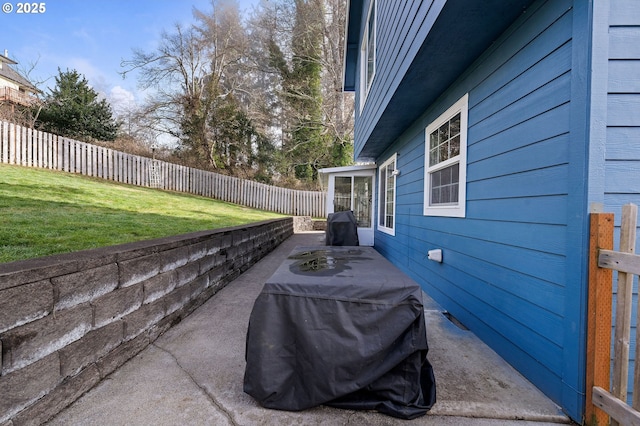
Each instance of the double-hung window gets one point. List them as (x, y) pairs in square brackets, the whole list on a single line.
[(368, 54), (387, 199), (446, 162)]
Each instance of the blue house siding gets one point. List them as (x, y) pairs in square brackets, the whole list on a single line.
[(510, 270), (622, 156), (400, 28), (621, 179), (408, 35)]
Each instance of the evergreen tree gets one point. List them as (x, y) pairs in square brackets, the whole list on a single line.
[(73, 109)]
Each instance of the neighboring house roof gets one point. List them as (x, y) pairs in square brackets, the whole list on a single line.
[(460, 32), (8, 73)]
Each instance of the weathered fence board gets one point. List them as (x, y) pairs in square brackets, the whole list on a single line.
[(602, 262), (623, 262), (623, 308), (616, 408), (27, 147)]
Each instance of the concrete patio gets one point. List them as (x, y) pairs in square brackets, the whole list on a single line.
[(193, 374)]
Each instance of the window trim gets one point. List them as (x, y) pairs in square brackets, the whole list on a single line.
[(365, 81), (459, 210), (382, 197)]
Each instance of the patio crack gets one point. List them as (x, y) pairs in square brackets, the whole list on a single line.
[(353, 413), (209, 395)]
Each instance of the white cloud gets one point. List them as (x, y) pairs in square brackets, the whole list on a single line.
[(95, 77), (84, 36), (84, 66), (121, 100)]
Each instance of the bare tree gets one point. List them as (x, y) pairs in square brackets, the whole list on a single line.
[(199, 80), (338, 106), (225, 41), (176, 72), (237, 95)]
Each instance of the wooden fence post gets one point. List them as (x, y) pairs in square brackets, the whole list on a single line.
[(599, 316)]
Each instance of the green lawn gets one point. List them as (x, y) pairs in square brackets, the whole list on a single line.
[(44, 212)]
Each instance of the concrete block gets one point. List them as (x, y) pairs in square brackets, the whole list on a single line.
[(63, 395), (74, 289), (239, 261), (212, 244), (137, 270), (158, 286), (13, 274), (177, 299), (245, 247), (188, 308), (90, 348), (187, 273), (207, 263), (245, 236), (25, 303), (203, 296), (123, 353), (198, 285), (143, 318), (231, 252), (27, 344), (226, 240), (220, 259), (217, 286), (172, 259), (198, 251), (164, 324), (138, 249), (232, 275), (215, 275), (25, 386), (319, 225), (117, 304), (264, 239)]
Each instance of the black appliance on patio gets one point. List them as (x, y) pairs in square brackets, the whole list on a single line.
[(342, 229)]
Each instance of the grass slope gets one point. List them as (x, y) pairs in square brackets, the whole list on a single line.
[(43, 212)]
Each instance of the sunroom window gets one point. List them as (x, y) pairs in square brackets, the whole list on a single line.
[(446, 162)]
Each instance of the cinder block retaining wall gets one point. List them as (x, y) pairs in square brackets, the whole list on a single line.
[(68, 321)]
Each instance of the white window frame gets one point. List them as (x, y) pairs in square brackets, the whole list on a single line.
[(448, 210), (365, 80), (383, 192)]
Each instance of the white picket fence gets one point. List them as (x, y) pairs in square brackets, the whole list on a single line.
[(31, 148)]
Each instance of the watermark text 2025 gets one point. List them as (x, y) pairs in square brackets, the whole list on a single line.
[(24, 8)]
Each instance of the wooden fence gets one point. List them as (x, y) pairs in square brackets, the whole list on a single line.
[(602, 402), (32, 148)]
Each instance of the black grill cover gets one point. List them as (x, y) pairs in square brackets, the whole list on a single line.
[(339, 326), (342, 229)]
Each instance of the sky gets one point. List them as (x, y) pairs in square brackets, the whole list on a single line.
[(92, 37)]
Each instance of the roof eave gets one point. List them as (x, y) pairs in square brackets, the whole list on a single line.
[(444, 56), (351, 42), (7, 60)]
